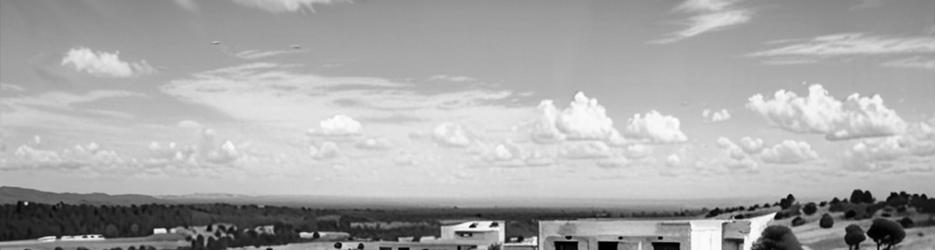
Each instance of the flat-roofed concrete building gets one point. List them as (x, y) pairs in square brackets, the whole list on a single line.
[(662, 234), (461, 235)]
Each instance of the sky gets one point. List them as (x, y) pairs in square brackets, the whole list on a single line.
[(554, 99)]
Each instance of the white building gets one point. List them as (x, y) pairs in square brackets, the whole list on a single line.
[(493, 232), (620, 234), (160, 231)]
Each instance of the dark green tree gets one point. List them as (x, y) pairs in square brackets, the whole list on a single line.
[(886, 233)]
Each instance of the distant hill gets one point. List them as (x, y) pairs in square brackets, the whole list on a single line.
[(9, 195)]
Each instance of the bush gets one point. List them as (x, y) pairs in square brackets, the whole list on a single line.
[(777, 238), (787, 202), (854, 236), (850, 214), (810, 208), (906, 222), (886, 233), (826, 221), (798, 221)]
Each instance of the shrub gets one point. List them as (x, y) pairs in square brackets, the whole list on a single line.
[(850, 214), (798, 221), (886, 233), (854, 236), (777, 238), (826, 221), (787, 202), (906, 222), (810, 208), (822, 203)]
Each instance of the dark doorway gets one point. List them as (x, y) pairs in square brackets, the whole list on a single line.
[(607, 245), (566, 245), (665, 246)]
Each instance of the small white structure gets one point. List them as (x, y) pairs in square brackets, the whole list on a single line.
[(619, 234), (47, 239), (491, 232), (85, 237), (160, 231)]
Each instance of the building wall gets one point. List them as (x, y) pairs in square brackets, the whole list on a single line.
[(635, 235), (483, 231), (757, 225), (706, 234)]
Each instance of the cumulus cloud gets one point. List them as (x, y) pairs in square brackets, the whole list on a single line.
[(654, 127), (673, 160), (751, 145), (789, 152), (338, 125), (708, 16), (282, 6), (716, 116), (733, 156), (104, 64), (374, 144), (585, 150), (327, 150), (820, 113), (585, 119), (451, 134), (91, 159), (882, 153)]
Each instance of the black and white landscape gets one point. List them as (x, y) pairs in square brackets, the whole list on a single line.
[(123, 120)]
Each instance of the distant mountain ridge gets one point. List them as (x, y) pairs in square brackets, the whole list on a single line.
[(9, 195)]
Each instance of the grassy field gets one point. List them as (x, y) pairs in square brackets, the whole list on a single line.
[(161, 242), (816, 238)]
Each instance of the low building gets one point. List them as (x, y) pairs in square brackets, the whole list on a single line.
[(531, 243), (461, 235), (637, 234), (160, 231)]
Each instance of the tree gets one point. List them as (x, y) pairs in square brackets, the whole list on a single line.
[(886, 233), (857, 196), (787, 202), (854, 236), (337, 245), (826, 221), (906, 222), (850, 214), (777, 238), (798, 221), (810, 208)]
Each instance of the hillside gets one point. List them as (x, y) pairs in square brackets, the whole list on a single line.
[(10, 195)]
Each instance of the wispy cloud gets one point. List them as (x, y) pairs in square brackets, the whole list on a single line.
[(708, 16), (260, 54), (104, 64), (848, 44), (283, 6), (916, 62)]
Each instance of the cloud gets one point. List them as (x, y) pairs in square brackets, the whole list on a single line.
[(654, 127), (916, 62), (452, 78), (585, 150), (708, 16), (90, 159), (374, 144), (189, 124), (188, 5), (751, 145), (338, 125), (716, 116), (326, 151), (260, 54), (733, 156), (789, 152), (673, 160), (5, 87), (451, 134), (883, 153), (282, 6), (820, 113), (850, 44), (104, 64)]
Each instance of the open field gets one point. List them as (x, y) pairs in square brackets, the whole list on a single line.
[(163, 242)]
